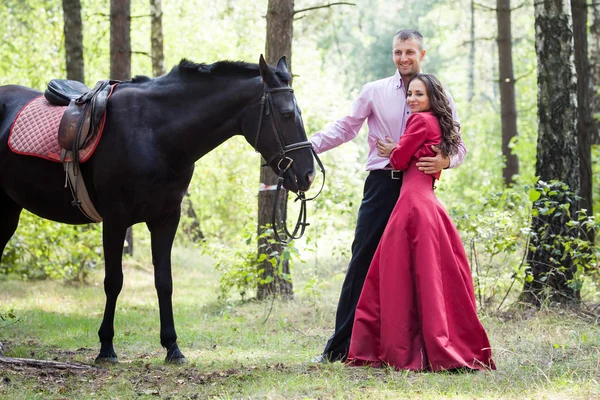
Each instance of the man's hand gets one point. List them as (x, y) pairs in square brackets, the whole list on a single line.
[(384, 149), (431, 165)]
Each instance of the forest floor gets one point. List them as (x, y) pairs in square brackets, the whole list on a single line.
[(261, 350)]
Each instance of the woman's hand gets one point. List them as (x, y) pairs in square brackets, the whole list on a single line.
[(384, 148)]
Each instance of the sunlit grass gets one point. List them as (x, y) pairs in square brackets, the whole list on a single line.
[(263, 350)]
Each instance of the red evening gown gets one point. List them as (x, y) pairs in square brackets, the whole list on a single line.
[(417, 307)]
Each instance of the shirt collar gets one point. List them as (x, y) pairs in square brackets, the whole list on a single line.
[(398, 82)]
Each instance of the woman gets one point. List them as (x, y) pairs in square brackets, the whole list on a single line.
[(417, 307)]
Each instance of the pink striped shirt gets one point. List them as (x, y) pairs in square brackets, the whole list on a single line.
[(383, 104)]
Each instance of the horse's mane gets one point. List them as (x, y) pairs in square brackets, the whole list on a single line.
[(221, 68)]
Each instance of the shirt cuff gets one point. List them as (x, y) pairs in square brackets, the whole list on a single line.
[(454, 161)]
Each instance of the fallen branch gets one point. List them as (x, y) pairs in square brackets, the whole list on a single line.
[(28, 362)]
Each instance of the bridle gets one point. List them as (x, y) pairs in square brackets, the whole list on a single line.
[(284, 163)]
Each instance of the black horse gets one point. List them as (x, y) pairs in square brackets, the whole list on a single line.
[(154, 132)]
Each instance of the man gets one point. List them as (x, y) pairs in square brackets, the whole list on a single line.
[(383, 104)]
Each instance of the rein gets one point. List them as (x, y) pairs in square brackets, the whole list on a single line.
[(266, 105)]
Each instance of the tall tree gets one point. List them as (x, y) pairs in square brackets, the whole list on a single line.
[(280, 18), (557, 150), (156, 33), (120, 61), (594, 59), (471, 73), (585, 96), (73, 30), (120, 39), (508, 106)]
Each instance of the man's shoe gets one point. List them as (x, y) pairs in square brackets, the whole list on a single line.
[(320, 359)]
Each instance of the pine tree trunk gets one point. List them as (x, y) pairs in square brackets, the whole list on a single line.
[(120, 60), (594, 63), (120, 39), (585, 119), (557, 148), (280, 18), (73, 31), (158, 56), (508, 106)]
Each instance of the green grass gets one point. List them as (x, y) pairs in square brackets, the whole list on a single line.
[(235, 351)]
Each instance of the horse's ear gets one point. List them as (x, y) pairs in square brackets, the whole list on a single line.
[(282, 65), (266, 73), (263, 67)]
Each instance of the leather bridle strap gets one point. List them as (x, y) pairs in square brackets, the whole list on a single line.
[(266, 105), (301, 223)]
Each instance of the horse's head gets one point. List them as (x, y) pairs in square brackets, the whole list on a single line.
[(277, 131)]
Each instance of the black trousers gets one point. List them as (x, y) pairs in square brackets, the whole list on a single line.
[(379, 198)]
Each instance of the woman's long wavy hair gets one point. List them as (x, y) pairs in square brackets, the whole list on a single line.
[(440, 106)]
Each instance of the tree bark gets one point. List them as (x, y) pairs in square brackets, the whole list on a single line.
[(280, 18), (585, 118), (73, 30), (557, 148), (192, 227), (120, 60), (471, 85), (120, 39), (158, 56), (594, 62), (508, 106)]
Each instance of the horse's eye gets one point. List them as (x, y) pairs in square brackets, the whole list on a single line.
[(287, 114)]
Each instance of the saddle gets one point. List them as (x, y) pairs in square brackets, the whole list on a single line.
[(79, 124), (84, 112)]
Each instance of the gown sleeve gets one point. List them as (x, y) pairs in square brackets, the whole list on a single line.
[(413, 138)]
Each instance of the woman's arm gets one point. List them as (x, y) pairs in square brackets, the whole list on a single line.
[(413, 138)]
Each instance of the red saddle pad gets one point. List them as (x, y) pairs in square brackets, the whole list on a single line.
[(35, 132)]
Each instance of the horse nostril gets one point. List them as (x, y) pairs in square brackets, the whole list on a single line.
[(311, 177)]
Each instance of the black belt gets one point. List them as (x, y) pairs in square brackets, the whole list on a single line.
[(391, 173)]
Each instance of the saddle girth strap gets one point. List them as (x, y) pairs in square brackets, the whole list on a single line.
[(81, 197)]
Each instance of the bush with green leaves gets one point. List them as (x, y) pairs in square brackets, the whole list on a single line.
[(561, 254), (45, 249), (241, 267), (496, 229)]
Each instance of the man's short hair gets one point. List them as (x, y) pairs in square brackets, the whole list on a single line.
[(406, 34)]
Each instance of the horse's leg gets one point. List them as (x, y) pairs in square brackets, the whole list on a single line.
[(162, 234), (9, 220), (113, 235)]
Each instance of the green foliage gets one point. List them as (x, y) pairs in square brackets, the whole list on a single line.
[(596, 182), (242, 267), (44, 249), (494, 229), (560, 235), (30, 42), (7, 318), (497, 231)]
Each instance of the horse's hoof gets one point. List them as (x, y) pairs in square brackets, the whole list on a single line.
[(106, 360), (176, 360)]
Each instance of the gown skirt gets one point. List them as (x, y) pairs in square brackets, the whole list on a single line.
[(417, 308)]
